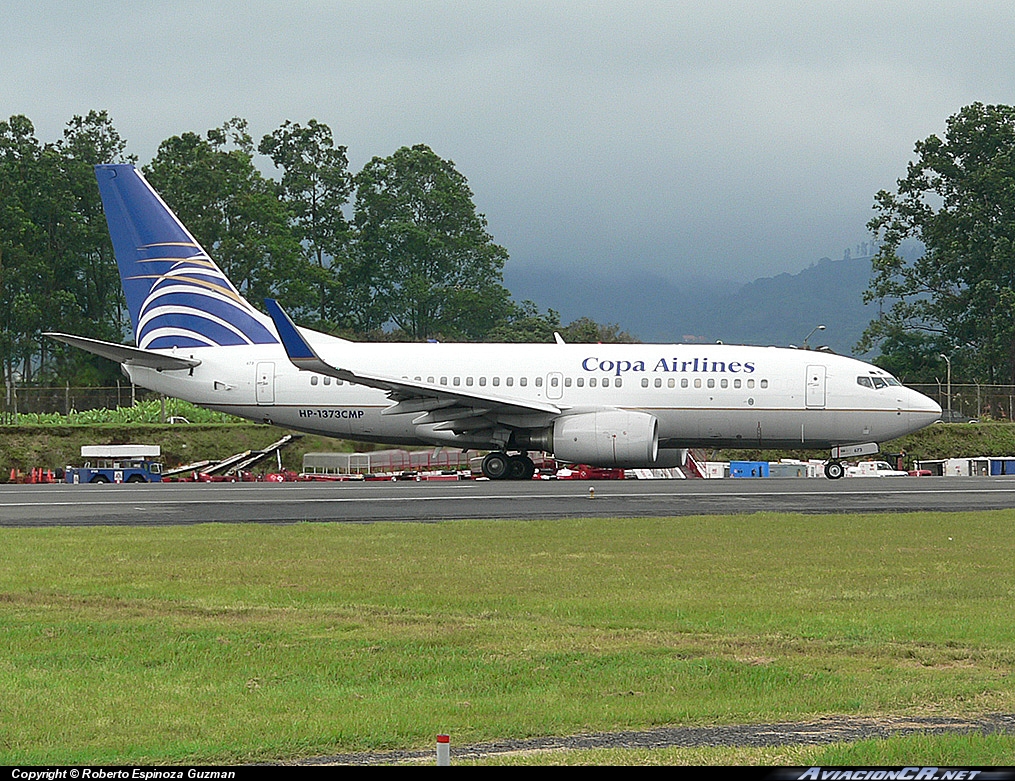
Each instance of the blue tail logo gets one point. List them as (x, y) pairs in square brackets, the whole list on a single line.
[(176, 295)]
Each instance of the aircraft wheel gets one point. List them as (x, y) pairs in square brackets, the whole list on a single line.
[(521, 468), (834, 470), (496, 466)]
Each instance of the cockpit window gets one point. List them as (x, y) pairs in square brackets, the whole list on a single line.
[(876, 382)]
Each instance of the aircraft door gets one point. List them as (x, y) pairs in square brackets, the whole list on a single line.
[(265, 382), (815, 394), (554, 385)]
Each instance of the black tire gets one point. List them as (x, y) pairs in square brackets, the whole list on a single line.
[(136, 479), (99, 479), (834, 470), (521, 468), (496, 466)]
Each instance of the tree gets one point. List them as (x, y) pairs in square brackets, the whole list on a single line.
[(88, 141), (525, 323), (588, 331), (232, 210), (42, 242), (958, 199), (423, 257), (316, 185)]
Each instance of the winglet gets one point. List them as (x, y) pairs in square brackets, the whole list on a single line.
[(296, 347)]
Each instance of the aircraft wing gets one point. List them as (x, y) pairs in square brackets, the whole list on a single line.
[(445, 408), (122, 353)]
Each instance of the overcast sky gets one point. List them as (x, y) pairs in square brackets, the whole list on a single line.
[(725, 140)]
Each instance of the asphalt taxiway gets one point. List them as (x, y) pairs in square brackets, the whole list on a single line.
[(190, 503)]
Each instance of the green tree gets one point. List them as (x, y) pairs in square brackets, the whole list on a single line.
[(588, 331), (423, 257), (525, 323), (212, 185), (915, 357), (958, 199), (39, 232), (316, 185), (88, 141)]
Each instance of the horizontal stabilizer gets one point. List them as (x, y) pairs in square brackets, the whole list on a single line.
[(121, 353)]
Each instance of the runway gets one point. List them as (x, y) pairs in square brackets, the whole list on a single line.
[(190, 503)]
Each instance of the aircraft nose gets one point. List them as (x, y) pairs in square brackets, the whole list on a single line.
[(924, 407)]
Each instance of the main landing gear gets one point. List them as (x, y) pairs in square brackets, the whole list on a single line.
[(501, 466)]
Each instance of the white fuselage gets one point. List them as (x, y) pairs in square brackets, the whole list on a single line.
[(714, 395)]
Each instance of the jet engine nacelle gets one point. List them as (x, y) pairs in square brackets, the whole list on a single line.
[(612, 438)]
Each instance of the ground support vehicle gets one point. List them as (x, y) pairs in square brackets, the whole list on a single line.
[(117, 464)]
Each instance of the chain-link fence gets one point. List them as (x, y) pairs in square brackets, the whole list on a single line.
[(18, 401), (972, 401)]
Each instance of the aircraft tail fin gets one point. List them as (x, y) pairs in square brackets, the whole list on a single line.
[(176, 294)]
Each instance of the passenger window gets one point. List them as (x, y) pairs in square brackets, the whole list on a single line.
[(539, 382), (554, 382), (592, 382), (724, 383), (659, 382), (581, 382), (764, 383), (327, 380), (468, 381), (644, 382), (340, 382), (750, 383), (509, 381), (618, 382), (683, 382), (482, 381), (736, 383), (671, 383), (606, 382), (523, 381), (313, 380), (697, 382), (496, 382), (711, 382), (430, 380), (444, 380), (567, 382), (456, 381)]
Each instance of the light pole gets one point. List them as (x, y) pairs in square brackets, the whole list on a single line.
[(815, 328), (949, 391)]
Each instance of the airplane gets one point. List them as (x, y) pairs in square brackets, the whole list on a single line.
[(606, 405)]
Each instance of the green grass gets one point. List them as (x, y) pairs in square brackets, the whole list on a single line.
[(235, 643)]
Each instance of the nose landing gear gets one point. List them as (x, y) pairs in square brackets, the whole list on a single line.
[(834, 470)]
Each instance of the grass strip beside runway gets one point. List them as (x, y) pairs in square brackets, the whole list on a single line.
[(223, 643)]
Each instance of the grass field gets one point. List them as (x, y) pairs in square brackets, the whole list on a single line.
[(223, 643)]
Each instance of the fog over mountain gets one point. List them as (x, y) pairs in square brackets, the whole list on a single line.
[(779, 310)]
